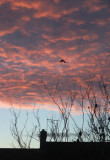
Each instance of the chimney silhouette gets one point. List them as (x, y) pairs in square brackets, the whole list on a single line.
[(43, 136)]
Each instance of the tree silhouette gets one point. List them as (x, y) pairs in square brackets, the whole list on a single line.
[(98, 110), (22, 136), (98, 98), (94, 101), (65, 107)]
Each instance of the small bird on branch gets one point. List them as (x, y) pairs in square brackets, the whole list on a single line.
[(62, 60)]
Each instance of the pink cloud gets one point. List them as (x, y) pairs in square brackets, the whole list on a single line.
[(41, 34), (75, 21), (52, 12), (8, 31), (101, 22), (71, 37), (26, 18), (57, 1), (25, 4), (94, 5), (43, 8)]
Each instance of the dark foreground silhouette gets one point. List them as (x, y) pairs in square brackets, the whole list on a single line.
[(60, 151)]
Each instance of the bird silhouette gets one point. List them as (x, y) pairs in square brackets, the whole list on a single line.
[(62, 60)]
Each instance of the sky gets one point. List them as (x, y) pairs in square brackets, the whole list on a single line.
[(36, 34)]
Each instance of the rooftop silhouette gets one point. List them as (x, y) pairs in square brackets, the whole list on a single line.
[(59, 150)]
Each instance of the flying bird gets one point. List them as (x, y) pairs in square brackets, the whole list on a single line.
[(62, 60)]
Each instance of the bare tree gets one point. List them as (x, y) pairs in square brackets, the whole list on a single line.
[(99, 106), (22, 136), (97, 96), (94, 101), (65, 106)]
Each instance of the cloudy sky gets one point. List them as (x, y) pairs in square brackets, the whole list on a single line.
[(36, 34)]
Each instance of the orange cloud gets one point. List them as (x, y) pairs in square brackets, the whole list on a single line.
[(53, 12), (101, 22), (75, 21), (94, 5), (44, 9), (57, 1), (26, 4), (71, 37), (8, 31), (41, 33), (26, 18)]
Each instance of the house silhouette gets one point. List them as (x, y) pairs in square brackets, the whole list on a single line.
[(60, 151)]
